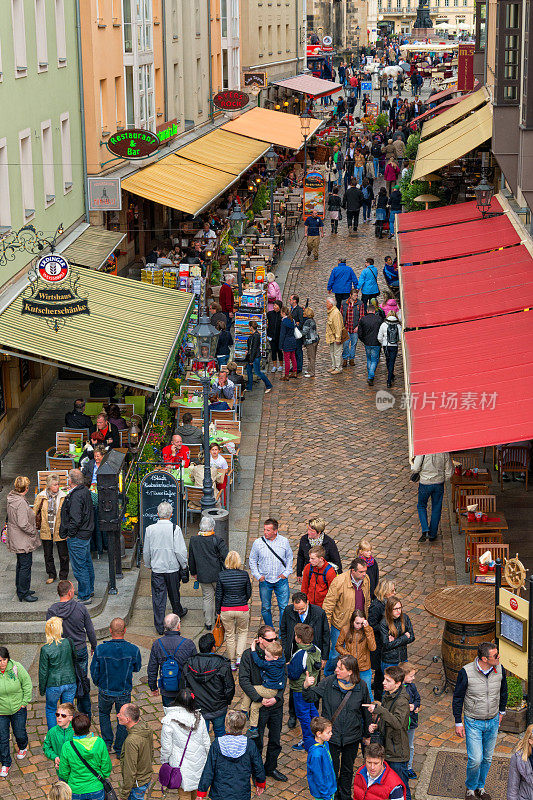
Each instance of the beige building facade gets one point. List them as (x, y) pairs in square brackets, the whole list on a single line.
[(345, 21), (273, 37), (450, 17)]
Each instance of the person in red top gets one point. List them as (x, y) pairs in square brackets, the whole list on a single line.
[(317, 576), (375, 780), (225, 299), (176, 452)]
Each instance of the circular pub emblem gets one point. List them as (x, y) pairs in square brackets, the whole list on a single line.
[(53, 268), (513, 603), (133, 143), (231, 100)]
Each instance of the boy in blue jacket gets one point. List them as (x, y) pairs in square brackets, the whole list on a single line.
[(307, 659), (320, 772), (273, 680)]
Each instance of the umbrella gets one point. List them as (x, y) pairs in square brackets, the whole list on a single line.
[(427, 199), (432, 178)]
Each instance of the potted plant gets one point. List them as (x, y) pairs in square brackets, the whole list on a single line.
[(514, 719)]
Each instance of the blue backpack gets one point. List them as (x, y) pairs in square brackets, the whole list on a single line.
[(169, 680)]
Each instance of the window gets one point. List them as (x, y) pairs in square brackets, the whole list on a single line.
[(5, 206), (278, 38), (145, 80), (176, 87), (19, 38), (61, 40), (126, 19), (260, 38), (224, 17), (287, 37), (24, 372), (26, 174), (456, 2), (508, 46), (130, 105), (481, 25), (47, 150), (225, 84), (527, 81), (199, 85), (143, 20), (446, 3), (399, 5), (197, 25), (66, 157), (269, 39), (40, 35)]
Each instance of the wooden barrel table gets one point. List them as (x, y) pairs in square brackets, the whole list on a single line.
[(469, 616)]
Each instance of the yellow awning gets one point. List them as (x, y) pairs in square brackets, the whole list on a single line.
[(179, 183), (130, 334), (451, 115), (93, 247), (454, 142), (224, 151), (274, 127)]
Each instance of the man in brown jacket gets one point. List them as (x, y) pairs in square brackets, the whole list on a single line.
[(348, 592), (334, 329), (137, 754)]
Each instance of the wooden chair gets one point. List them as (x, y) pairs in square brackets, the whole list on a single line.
[(485, 502), (43, 474), (468, 460), (223, 415), (124, 438), (126, 409), (474, 538), (193, 497), (104, 400), (461, 493), (55, 464), (64, 439), (500, 551), (83, 431), (195, 450), (229, 425), (513, 460)]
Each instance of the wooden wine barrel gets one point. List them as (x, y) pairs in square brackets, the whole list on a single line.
[(460, 643)]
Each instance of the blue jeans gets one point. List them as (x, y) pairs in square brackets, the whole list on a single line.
[(79, 551), (100, 795), (256, 367), (392, 215), (18, 724), (138, 792), (358, 174), (366, 676), (436, 492), (481, 735), (372, 358), (411, 737), (305, 713), (83, 703), (367, 209), (281, 590), (339, 177), (376, 166), (218, 724), (55, 694), (105, 705), (348, 350), (400, 768), (299, 353), (329, 669), (390, 358)]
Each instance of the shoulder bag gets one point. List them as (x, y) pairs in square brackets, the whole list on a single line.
[(170, 777), (341, 706), (274, 552), (218, 632), (415, 476), (109, 792)]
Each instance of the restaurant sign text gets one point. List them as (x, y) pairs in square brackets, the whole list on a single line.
[(133, 144)]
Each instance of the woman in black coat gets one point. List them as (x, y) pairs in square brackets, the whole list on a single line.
[(207, 553), (315, 536), (351, 722), (273, 331), (253, 358), (396, 633), (232, 595), (384, 590)]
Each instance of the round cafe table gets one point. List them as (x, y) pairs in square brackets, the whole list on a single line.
[(469, 619)]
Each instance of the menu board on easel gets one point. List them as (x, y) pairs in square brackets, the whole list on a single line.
[(314, 194), (157, 487)]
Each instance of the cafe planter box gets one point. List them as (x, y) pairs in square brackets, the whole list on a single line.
[(514, 720), (130, 535)]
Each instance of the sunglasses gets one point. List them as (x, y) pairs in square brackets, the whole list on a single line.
[(58, 714), (270, 640)]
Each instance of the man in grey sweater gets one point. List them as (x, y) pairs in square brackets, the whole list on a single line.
[(433, 470), (165, 553)]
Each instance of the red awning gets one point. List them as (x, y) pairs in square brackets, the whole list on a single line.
[(443, 215), (309, 85), (449, 92), (482, 285), (471, 384), (456, 240)]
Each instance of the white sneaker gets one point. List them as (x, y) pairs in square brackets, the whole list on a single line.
[(280, 369), (307, 375), (22, 754), (274, 369), (3, 772)]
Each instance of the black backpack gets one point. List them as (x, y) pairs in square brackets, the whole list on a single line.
[(393, 336)]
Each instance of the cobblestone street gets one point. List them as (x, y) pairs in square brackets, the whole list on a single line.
[(325, 449)]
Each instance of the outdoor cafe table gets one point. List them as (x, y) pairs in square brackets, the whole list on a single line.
[(469, 616), (496, 522), (482, 478)]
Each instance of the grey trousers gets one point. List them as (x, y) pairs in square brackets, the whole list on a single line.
[(208, 602)]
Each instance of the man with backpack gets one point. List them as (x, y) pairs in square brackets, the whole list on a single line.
[(389, 338), (317, 576), (167, 660), (208, 676)]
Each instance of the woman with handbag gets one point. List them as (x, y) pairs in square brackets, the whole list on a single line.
[(232, 595), (311, 340), (57, 674), (288, 343), (207, 553), (185, 744), (343, 696), (85, 763), (47, 509)]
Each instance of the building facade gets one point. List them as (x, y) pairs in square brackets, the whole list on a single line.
[(273, 37), (41, 165), (450, 17), (345, 21)]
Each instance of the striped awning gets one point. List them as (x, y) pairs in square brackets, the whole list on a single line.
[(93, 247)]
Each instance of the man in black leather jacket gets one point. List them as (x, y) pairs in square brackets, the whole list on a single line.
[(77, 526), (352, 202)]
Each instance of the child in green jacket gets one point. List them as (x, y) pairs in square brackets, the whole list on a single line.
[(93, 750), (60, 733)]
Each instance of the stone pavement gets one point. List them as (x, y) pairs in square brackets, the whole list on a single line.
[(325, 449)]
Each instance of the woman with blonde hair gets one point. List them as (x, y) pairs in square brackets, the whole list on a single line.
[(57, 675), (384, 590), (396, 633), (310, 339), (364, 551), (61, 791), (232, 595), (520, 780), (22, 537), (47, 509)]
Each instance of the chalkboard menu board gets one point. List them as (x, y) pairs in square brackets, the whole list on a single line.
[(157, 487)]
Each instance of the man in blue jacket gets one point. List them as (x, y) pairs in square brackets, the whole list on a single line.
[(341, 280), (112, 668)]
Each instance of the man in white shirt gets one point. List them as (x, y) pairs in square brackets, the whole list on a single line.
[(270, 563), (206, 233), (433, 470), (165, 553)]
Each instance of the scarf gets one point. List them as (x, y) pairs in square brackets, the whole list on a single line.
[(52, 509), (346, 686), (368, 561), (318, 541)]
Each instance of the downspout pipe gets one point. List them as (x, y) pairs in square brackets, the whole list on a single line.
[(210, 64), (165, 69), (82, 113)]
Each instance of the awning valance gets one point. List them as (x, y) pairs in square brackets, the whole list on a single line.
[(443, 215), (130, 335), (453, 143), (224, 151), (274, 127), (465, 106), (309, 85), (93, 247)]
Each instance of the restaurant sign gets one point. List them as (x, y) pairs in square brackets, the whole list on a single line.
[(251, 80), (48, 297), (133, 144), (167, 131), (104, 194), (314, 194), (231, 100), (465, 67)]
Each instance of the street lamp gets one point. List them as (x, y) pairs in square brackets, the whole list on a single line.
[(305, 126), (484, 193), (205, 338), (271, 159), (237, 221)]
